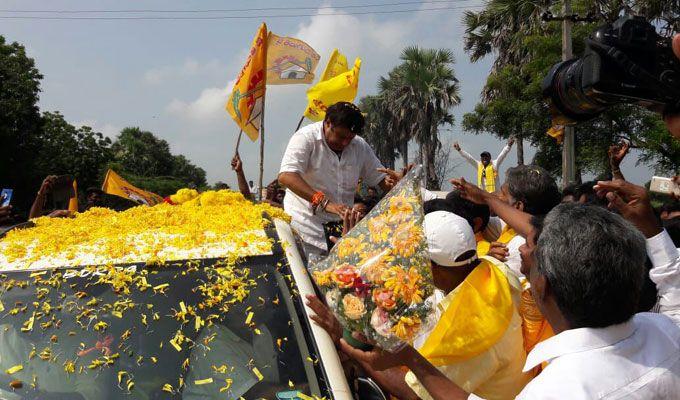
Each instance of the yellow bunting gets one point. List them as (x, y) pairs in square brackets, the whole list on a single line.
[(16, 368), (203, 381)]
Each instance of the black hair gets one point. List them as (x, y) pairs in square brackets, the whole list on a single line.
[(369, 203), (466, 209), (591, 197), (485, 154), (346, 115), (570, 190), (534, 187)]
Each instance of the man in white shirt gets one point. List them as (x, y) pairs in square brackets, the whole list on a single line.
[(527, 188), (321, 168), (585, 265), (487, 170)]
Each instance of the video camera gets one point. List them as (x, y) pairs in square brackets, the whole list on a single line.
[(624, 62)]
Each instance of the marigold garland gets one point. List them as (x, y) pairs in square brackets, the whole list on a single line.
[(210, 224)]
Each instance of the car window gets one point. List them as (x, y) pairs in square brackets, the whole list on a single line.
[(189, 330)]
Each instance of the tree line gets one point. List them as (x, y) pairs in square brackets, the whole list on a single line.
[(36, 144), (414, 99)]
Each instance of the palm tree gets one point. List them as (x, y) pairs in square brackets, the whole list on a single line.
[(376, 130), (420, 92), (397, 112)]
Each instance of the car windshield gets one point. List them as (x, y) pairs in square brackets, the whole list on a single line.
[(189, 330)]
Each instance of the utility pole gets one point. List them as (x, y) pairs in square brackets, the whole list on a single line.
[(568, 148)]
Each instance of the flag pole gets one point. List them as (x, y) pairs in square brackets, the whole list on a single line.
[(300, 123), (259, 195), (238, 141)]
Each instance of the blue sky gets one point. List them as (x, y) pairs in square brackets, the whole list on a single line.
[(170, 76)]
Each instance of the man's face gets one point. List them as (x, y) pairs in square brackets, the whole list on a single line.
[(486, 160), (337, 137), (507, 197), (372, 192)]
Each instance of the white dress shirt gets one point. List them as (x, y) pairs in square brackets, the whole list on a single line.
[(638, 359), (337, 176), (495, 163)]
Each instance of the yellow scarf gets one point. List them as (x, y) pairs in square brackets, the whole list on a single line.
[(476, 315), (507, 234), (490, 177)]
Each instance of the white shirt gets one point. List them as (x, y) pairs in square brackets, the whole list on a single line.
[(639, 359), (308, 155), (495, 163), (514, 260)]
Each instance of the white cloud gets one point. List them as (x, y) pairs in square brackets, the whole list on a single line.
[(207, 108), (189, 68)]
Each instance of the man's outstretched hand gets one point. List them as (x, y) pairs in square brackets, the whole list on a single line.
[(469, 191), (632, 201), (378, 359)]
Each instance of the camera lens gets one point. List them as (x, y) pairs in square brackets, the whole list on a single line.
[(563, 89)]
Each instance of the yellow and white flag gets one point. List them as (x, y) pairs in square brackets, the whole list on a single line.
[(114, 184), (290, 61), (342, 87), (246, 101)]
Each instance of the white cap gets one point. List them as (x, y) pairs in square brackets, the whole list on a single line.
[(448, 237)]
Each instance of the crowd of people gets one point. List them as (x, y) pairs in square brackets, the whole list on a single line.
[(593, 272)]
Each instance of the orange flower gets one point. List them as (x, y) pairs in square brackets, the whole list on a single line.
[(344, 275), (374, 265), (354, 307), (350, 245), (400, 206), (379, 229), (406, 328), (404, 285), (406, 239), (384, 298), (322, 278)]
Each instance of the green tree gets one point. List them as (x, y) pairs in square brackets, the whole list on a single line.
[(19, 121), (142, 154), (420, 93), (512, 102), (376, 130), (65, 149)]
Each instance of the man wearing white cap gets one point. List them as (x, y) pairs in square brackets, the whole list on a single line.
[(476, 336)]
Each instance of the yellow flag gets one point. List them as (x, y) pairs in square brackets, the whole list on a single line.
[(557, 132), (337, 64), (114, 184), (246, 100), (290, 60), (73, 201), (477, 314), (342, 87)]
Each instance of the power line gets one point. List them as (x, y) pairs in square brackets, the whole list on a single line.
[(221, 17), (230, 10)]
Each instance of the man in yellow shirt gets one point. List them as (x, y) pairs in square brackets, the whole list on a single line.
[(487, 169)]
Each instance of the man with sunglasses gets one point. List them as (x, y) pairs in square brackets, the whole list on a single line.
[(321, 168)]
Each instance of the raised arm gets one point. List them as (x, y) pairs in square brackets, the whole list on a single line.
[(465, 155), (237, 166), (616, 154), (504, 153), (39, 202), (633, 203), (516, 219)]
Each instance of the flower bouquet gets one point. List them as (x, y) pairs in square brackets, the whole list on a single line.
[(377, 277)]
